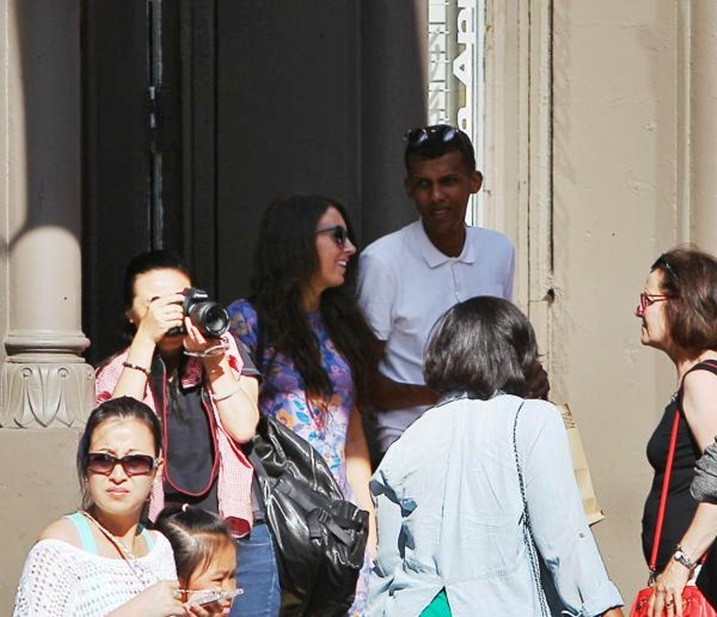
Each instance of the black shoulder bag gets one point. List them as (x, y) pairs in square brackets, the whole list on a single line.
[(320, 538)]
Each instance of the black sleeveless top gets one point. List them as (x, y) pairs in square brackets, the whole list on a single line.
[(681, 506), (189, 435), (190, 454)]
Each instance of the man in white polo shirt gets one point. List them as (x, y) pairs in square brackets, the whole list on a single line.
[(409, 278)]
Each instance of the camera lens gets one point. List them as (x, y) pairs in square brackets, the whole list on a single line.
[(211, 318)]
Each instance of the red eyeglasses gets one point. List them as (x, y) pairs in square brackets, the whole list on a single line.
[(647, 299)]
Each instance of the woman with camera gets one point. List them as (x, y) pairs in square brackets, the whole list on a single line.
[(309, 337), (205, 394)]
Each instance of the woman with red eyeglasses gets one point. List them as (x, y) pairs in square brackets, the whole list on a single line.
[(678, 311), (100, 561), (309, 338)]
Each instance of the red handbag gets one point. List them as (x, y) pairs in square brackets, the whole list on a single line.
[(694, 604)]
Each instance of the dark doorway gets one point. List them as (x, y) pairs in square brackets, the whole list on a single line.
[(150, 143), (198, 112)]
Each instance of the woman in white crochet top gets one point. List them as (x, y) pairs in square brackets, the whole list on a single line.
[(99, 561)]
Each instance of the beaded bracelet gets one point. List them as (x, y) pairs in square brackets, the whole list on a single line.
[(137, 367)]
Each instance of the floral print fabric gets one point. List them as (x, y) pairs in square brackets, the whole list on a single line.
[(324, 424)]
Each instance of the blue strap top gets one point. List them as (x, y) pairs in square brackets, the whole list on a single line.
[(88, 540)]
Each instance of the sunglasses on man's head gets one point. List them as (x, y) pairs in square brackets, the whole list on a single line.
[(439, 132), (338, 234), (133, 464)]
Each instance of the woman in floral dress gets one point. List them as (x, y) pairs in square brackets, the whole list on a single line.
[(310, 340)]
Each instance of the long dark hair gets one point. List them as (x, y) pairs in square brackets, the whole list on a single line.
[(284, 261), (482, 345)]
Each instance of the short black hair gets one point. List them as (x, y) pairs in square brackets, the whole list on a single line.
[(480, 346), (159, 259), (437, 140), (123, 407)]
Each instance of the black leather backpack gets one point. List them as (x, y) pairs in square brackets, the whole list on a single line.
[(319, 537)]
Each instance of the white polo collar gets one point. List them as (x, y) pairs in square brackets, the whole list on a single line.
[(431, 255)]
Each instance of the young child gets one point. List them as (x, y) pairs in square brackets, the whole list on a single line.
[(205, 555)]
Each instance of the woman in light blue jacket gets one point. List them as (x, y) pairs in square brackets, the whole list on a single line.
[(461, 529)]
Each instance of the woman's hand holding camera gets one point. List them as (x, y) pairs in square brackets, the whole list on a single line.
[(163, 599), (163, 313), (214, 358), (195, 343), (234, 396)]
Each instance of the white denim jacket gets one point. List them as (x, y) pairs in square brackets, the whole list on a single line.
[(449, 512)]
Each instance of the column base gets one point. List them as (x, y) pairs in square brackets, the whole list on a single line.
[(46, 394)]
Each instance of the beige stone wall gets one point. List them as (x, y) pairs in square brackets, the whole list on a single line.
[(598, 158), (38, 484), (624, 189), (615, 126)]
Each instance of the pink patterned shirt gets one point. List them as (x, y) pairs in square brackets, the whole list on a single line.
[(235, 472)]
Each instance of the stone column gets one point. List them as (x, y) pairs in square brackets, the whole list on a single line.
[(46, 389), (44, 379), (703, 123)]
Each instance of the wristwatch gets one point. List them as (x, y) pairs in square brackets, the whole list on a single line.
[(680, 557)]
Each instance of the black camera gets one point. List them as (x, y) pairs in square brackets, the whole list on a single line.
[(209, 317)]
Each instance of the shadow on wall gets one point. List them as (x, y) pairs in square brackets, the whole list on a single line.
[(44, 127)]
